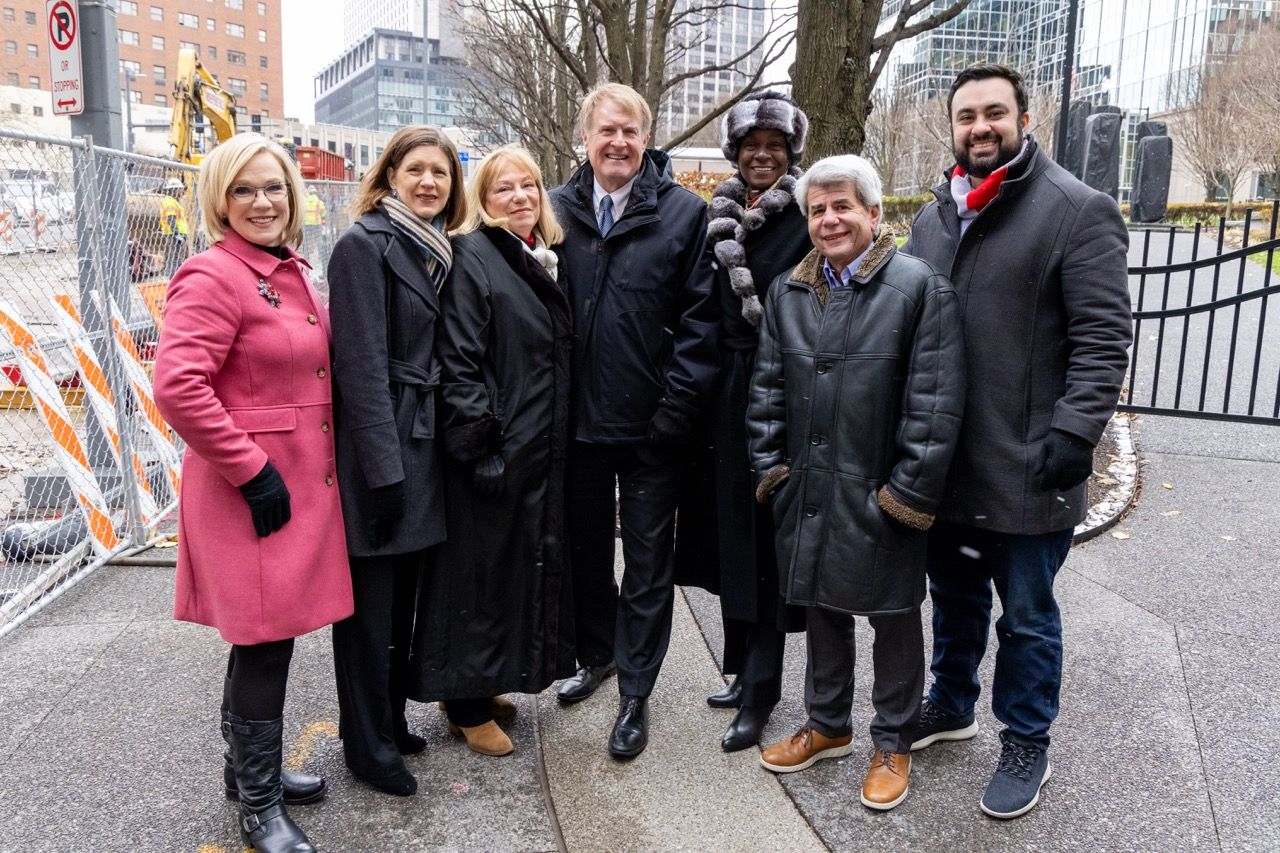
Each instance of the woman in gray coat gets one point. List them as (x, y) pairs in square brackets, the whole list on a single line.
[(384, 278)]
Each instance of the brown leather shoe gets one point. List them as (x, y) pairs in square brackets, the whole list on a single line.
[(487, 739), (802, 749), (886, 782), (502, 709)]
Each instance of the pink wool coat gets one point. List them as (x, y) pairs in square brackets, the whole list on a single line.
[(243, 382)]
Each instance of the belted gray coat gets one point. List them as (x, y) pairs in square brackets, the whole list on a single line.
[(858, 391), (1044, 300), (385, 313)]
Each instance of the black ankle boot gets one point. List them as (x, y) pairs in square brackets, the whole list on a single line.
[(746, 728), (300, 789), (729, 696), (265, 825)]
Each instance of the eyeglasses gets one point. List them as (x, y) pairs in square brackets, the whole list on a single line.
[(273, 192)]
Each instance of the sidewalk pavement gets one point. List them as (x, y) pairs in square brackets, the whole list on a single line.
[(1167, 739)]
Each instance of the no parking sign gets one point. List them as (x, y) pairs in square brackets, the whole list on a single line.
[(63, 25)]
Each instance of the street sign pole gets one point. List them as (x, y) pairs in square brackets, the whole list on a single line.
[(100, 52)]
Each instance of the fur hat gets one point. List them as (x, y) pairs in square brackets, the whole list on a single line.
[(766, 110)]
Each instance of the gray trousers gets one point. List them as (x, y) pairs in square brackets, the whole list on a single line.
[(898, 663)]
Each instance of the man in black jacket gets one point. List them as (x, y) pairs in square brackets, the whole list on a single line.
[(640, 284), (1038, 259)]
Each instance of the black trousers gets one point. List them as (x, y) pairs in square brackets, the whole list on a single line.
[(631, 625), (897, 664), (754, 653), (371, 659)]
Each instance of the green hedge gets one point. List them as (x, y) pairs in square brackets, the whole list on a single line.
[(1208, 213)]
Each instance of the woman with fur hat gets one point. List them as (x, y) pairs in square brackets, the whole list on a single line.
[(756, 232)]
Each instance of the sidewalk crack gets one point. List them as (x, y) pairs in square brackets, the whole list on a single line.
[(1195, 725)]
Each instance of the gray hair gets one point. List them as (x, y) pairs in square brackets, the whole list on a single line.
[(841, 169)]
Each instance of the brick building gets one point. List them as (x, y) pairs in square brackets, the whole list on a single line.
[(238, 40)]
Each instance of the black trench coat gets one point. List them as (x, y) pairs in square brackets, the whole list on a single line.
[(725, 541), (496, 608), (384, 313)]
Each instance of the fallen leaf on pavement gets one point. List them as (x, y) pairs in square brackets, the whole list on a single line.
[(1167, 486), (1227, 538), (1171, 513), (1121, 534)]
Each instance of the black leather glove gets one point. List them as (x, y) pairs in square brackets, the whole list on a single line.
[(268, 500), (669, 427), (487, 476), (1066, 461), (386, 508)]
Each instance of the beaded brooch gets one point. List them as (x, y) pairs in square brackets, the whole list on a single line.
[(269, 293)]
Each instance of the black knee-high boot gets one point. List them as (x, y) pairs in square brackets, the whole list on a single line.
[(257, 750)]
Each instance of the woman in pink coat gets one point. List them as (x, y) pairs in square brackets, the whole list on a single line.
[(242, 375)]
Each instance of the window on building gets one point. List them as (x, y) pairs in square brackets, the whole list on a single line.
[(13, 79), (263, 93), (315, 143), (157, 13), (236, 31), (30, 18), (9, 15), (210, 24), (186, 19), (131, 67), (10, 47), (262, 8), (160, 101), (364, 155), (237, 86), (157, 42), (262, 36), (135, 97), (213, 52), (189, 45), (37, 111), (262, 62), (235, 4), (333, 146), (158, 73), (235, 57), (128, 7), (33, 51), (1268, 185), (33, 82), (15, 108)]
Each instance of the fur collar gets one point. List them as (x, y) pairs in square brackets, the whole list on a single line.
[(730, 222), (809, 270)]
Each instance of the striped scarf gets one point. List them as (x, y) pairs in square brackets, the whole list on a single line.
[(427, 237)]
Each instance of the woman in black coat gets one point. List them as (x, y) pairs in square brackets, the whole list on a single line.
[(497, 599), (384, 278), (757, 233)]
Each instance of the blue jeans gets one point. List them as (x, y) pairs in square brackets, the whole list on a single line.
[(963, 564)]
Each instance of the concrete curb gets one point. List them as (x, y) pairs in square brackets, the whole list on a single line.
[(1125, 483)]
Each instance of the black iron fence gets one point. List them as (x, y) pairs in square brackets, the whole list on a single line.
[(1206, 335)]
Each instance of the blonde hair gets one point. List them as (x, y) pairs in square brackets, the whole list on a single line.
[(375, 186), (219, 171), (547, 227), (624, 96)]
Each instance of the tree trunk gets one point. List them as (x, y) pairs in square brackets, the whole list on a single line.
[(831, 75)]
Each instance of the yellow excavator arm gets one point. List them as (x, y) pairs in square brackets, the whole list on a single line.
[(197, 96)]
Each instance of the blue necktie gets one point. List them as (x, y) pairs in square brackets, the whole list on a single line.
[(606, 215)]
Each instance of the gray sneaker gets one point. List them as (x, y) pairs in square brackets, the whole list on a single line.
[(934, 726), (1014, 790)]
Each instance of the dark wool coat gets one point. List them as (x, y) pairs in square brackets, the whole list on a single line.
[(497, 609), (725, 543), (1044, 298), (384, 312), (859, 390), (643, 311)]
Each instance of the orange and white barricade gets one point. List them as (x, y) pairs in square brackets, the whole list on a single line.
[(39, 226), (6, 234), (67, 445), (101, 399), (152, 421)]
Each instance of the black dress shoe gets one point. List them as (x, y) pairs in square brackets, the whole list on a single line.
[(746, 727), (729, 696), (631, 731), (583, 683)]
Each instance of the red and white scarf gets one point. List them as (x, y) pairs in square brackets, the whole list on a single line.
[(970, 199)]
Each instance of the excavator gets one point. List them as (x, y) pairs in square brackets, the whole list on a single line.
[(199, 104)]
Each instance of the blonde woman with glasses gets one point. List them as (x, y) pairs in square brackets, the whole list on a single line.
[(241, 375)]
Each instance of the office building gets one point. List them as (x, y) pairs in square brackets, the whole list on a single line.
[(239, 41)]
